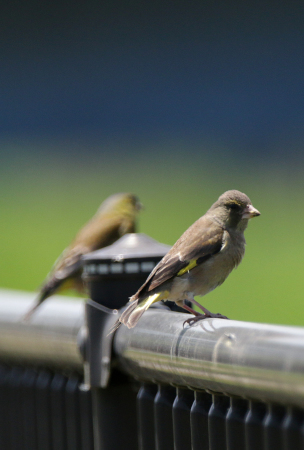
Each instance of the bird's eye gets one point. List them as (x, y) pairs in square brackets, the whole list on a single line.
[(234, 206)]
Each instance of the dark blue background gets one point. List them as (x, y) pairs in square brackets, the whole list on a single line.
[(225, 70)]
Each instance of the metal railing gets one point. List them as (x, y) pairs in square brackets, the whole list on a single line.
[(44, 404), (218, 385), (258, 361), (52, 336)]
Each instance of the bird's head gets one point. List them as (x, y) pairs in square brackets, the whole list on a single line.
[(234, 209), (123, 203)]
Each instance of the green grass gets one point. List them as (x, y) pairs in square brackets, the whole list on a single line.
[(45, 200)]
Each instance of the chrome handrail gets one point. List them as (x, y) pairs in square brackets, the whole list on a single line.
[(50, 337), (252, 360)]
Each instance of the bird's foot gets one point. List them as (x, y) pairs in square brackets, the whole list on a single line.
[(207, 315), (194, 319), (215, 316)]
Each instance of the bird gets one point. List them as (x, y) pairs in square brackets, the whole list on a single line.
[(115, 217), (199, 261)]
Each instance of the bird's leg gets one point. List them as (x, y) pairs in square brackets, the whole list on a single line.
[(192, 311), (207, 314), (198, 316)]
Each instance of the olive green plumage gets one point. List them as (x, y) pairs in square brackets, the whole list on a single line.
[(199, 261), (115, 217)]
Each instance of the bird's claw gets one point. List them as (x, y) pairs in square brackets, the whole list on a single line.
[(195, 319), (218, 316)]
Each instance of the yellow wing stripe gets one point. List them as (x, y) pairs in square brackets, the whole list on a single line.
[(191, 265), (147, 302)]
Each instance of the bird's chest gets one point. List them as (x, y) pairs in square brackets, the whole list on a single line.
[(232, 250), (213, 272)]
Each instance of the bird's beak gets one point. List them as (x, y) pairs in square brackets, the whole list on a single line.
[(250, 212), (139, 206)]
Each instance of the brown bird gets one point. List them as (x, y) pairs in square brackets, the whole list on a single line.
[(199, 261), (115, 217)]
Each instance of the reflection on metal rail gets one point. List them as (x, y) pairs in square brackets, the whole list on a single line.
[(258, 361), (49, 338)]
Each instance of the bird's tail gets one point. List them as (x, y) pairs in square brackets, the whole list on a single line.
[(134, 311), (29, 313), (124, 316), (51, 287)]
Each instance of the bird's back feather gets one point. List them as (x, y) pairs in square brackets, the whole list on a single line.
[(202, 240)]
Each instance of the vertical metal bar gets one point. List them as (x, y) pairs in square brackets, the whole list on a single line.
[(181, 418), (112, 406), (217, 422), (28, 409), (43, 410), (86, 418), (72, 418), (292, 429), (4, 401), (199, 420), (163, 417), (15, 409), (273, 424), (254, 431), (58, 412), (145, 416), (235, 423)]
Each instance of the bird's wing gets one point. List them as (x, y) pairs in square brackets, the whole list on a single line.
[(103, 230), (69, 262), (202, 240), (96, 234)]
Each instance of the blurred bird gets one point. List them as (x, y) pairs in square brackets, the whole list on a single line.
[(115, 217), (199, 261)]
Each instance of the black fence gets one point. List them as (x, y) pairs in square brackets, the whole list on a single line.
[(219, 385), (182, 419), (44, 410)]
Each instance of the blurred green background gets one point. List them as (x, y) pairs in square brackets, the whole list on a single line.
[(47, 200), (176, 102)]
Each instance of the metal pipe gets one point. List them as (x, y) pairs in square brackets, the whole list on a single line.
[(258, 361), (49, 338)]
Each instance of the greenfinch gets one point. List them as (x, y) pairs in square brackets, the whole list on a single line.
[(115, 217), (198, 262)]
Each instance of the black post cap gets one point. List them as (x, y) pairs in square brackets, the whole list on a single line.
[(114, 273)]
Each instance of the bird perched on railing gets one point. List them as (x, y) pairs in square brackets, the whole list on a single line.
[(115, 217), (199, 261)]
